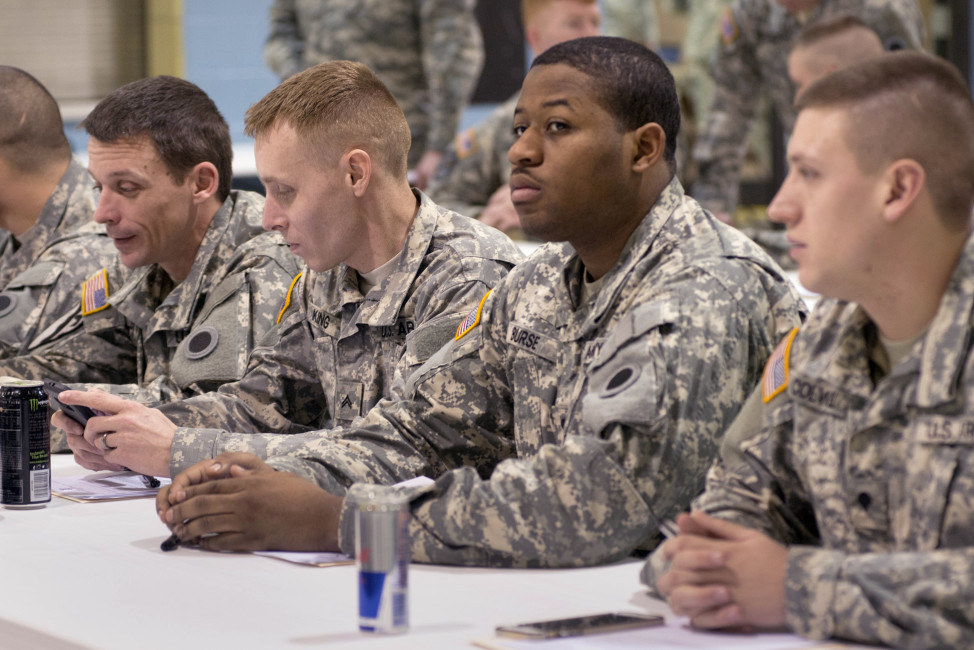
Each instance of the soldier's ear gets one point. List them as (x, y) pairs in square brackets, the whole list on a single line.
[(903, 181), (357, 171), (649, 142), (206, 181)]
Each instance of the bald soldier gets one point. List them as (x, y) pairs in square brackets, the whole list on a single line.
[(46, 203), (842, 506), (390, 276), (582, 400), (756, 37), (195, 282), (473, 176)]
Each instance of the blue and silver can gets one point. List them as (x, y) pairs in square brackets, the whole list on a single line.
[(25, 444), (382, 558)]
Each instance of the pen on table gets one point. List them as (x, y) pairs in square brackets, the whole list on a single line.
[(170, 544), (150, 481)]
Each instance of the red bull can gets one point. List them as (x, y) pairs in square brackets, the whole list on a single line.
[(25, 444), (382, 558)]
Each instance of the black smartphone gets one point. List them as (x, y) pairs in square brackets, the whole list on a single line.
[(79, 414), (579, 625)]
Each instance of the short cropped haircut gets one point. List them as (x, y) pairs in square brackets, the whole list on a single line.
[(338, 105), (908, 105), (822, 30), (530, 8), (31, 131), (634, 85), (182, 122)]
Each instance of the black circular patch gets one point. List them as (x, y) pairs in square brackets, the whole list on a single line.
[(7, 303), (865, 500), (202, 342), (621, 380)]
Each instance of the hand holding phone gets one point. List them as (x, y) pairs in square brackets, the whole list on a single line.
[(79, 414), (579, 625)]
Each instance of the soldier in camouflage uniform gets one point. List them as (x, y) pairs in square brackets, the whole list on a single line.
[(204, 282), (427, 52), (366, 311), (637, 20), (842, 503), (46, 203), (473, 176), (582, 401), (756, 36)]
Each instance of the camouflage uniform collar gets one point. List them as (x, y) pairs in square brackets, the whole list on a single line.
[(845, 339), (948, 337), (55, 218), (142, 283), (200, 276), (638, 247), (383, 303)]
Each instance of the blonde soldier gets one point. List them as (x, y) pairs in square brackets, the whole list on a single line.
[(427, 52), (46, 203), (473, 176), (755, 38), (843, 508), (204, 284), (390, 276), (582, 401)]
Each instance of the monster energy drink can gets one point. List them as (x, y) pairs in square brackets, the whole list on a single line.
[(382, 556), (25, 444)]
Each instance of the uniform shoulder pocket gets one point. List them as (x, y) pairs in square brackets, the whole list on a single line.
[(42, 274)]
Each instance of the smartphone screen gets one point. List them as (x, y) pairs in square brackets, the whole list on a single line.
[(579, 625)]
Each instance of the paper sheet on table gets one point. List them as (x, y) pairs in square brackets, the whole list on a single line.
[(104, 486), (675, 635), (309, 559)]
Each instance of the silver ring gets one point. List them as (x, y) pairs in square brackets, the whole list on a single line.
[(104, 443)]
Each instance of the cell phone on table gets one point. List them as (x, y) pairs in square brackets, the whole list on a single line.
[(579, 625), (79, 414)]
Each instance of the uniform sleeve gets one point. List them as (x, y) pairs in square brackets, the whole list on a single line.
[(284, 48), (721, 144), (282, 391), (453, 55), (471, 171), (460, 413), (665, 384), (902, 599), (102, 351)]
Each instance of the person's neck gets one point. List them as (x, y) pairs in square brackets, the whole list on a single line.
[(602, 249), (22, 208), (906, 299), (179, 269), (389, 212)]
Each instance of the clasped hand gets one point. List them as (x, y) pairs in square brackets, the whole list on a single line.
[(723, 575), (236, 502)]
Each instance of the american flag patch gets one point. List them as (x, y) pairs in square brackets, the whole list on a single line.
[(465, 143), (728, 27), (776, 371), (472, 319), (94, 293)]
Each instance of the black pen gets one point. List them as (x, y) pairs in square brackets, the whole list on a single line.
[(150, 481), (170, 544)]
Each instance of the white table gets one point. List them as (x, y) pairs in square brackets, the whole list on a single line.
[(92, 576)]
